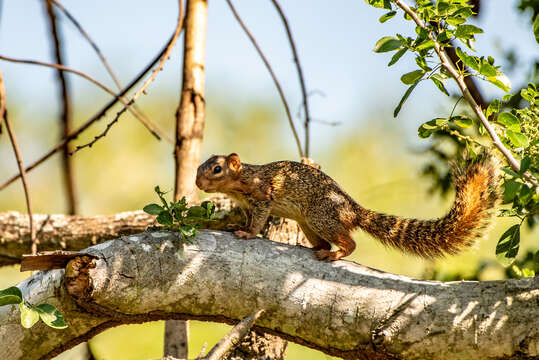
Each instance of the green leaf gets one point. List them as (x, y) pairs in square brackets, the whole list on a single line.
[(210, 208), (164, 218), (518, 139), (468, 60), (493, 107), (525, 195), (486, 69), (51, 316), (412, 77), (511, 188), (500, 81), (29, 315), (11, 295), (527, 272), (428, 128), (507, 248), (525, 164), (196, 212), (152, 209), (464, 12), (438, 81), (455, 21), (509, 120), (467, 31), (397, 56), (462, 121), (510, 172), (429, 44), (387, 16), (507, 97), (386, 44), (403, 99), (381, 4), (444, 35), (188, 230), (536, 28)]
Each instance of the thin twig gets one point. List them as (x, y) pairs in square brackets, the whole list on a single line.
[(164, 58), (17, 153), (273, 76), (147, 122), (119, 97), (459, 78), (65, 116), (90, 121), (300, 75), (89, 39), (233, 338)]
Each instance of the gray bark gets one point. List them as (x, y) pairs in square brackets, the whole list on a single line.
[(340, 308), (75, 232)]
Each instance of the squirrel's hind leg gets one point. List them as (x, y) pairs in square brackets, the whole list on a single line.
[(346, 246), (315, 240)]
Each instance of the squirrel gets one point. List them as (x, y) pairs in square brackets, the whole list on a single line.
[(328, 215)]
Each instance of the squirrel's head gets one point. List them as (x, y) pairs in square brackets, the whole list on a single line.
[(217, 172)]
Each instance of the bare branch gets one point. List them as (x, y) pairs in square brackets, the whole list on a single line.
[(232, 339), (18, 156), (91, 79), (164, 58), (147, 122), (459, 78), (300, 75), (65, 116), (272, 74), (90, 121)]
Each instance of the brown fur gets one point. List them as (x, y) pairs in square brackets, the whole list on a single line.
[(327, 214)]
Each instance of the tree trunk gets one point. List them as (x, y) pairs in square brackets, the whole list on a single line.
[(191, 112), (340, 308)]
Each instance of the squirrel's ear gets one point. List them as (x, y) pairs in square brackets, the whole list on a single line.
[(234, 162)]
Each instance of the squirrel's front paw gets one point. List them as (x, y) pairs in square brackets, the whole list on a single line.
[(244, 234)]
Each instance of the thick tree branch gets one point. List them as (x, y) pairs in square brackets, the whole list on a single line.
[(340, 308), (68, 232)]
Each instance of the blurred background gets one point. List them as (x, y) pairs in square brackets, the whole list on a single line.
[(378, 159)]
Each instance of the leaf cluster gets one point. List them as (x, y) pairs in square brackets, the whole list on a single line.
[(178, 216), (30, 314), (518, 129)]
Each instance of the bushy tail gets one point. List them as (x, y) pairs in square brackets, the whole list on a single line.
[(477, 195)]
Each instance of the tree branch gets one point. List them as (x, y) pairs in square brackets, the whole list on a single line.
[(90, 121), (68, 232), (151, 126), (18, 157), (300, 75), (459, 78), (66, 115), (272, 74), (341, 308)]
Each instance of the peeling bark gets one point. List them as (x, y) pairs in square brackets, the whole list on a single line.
[(340, 308)]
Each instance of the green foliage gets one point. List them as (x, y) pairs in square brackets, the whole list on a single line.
[(445, 24), (30, 314), (178, 216)]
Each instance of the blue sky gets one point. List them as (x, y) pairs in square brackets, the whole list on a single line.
[(334, 39)]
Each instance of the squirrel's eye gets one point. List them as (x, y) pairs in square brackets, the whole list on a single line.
[(217, 169)]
